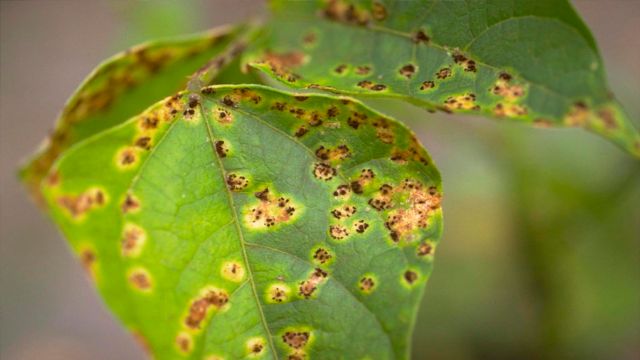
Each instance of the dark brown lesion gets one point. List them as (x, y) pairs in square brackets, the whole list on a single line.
[(271, 210), (367, 284), (408, 70), (309, 286), (130, 204), (322, 255), (199, 307), (296, 340), (237, 182), (78, 205)]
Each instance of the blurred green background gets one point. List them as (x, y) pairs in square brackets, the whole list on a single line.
[(541, 252)]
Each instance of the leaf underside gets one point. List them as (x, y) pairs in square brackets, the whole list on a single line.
[(529, 61), (254, 223), (127, 83)]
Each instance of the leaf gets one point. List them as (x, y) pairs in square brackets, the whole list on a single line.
[(255, 223), (529, 61), (125, 84)]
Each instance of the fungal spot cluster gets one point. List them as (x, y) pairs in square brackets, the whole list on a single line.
[(322, 256), (366, 284), (466, 63), (364, 179), (281, 64), (256, 346), (127, 157), (414, 152), (78, 205), (338, 232), (270, 210), (343, 12), (278, 293), (310, 285), (223, 116), (236, 182), (443, 73), (368, 85), (505, 88), (577, 115), (461, 102), (211, 299), (425, 249), (133, 239), (339, 152), (130, 204), (384, 130), (221, 148), (324, 171), (410, 206), (343, 211)]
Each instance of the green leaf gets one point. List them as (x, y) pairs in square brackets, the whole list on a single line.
[(255, 223), (127, 83), (529, 61)]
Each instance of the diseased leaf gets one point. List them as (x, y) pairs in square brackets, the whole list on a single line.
[(530, 61), (127, 83), (254, 223)]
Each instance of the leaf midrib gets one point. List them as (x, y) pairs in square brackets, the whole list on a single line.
[(239, 230)]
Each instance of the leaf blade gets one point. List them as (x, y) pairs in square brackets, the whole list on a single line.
[(534, 63), (153, 262)]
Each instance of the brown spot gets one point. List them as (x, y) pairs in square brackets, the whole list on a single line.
[(426, 85), (82, 203), (278, 293), (127, 157), (467, 64), (194, 100), (410, 276), (417, 205), (363, 70), (461, 102), (577, 115), (420, 37), (149, 123), (443, 73), (200, 307), (280, 106), (332, 111), (309, 286), (236, 182), (130, 204), (223, 116), (342, 191), (257, 348), (608, 118), (324, 171), (340, 69), (365, 84), (378, 11), (228, 101), (509, 110), (378, 87), (301, 131), (271, 210), (360, 226), (295, 340), (407, 70), (282, 63), (343, 212), (143, 142), (208, 91), (221, 148), (309, 39), (133, 238), (340, 152), (367, 284), (184, 342), (140, 280), (384, 132), (338, 232), (424, 249), (322, 255), (505, 88), (301, 97), (87, 259)]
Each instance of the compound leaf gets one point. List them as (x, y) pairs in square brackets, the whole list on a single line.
[(128, 82), (529, 61), (250, 222)]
